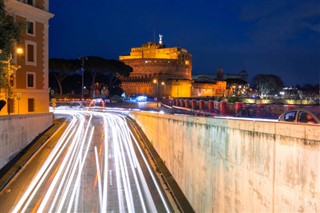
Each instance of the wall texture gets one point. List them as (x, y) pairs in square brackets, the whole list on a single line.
[(226, 165), (17, 131)]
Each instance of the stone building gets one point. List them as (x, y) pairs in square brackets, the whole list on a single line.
[(158, 71), (30, 84)]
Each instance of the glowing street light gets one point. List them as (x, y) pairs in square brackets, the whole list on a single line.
[(19, 51), (155, 81)]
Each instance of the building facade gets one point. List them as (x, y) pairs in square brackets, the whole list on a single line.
[(158, 71), (30, 83)]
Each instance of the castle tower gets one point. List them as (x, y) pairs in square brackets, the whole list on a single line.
[(170, 68)]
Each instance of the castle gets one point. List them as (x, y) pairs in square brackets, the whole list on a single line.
[(160, 71)]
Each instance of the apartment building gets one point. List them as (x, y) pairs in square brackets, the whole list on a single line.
[(30, 83)]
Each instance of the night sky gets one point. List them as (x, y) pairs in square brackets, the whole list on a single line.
[(280, 37)]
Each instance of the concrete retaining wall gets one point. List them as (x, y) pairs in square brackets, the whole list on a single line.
[(225, 165), (17, 131)]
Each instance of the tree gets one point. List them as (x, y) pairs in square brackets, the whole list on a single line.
[(267, 84), (9, 33), (94, 67), (61, 68), (98, 65)]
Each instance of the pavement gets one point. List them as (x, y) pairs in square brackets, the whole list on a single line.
[(14, 166)]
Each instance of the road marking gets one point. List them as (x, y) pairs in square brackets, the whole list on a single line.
[(110, 177)]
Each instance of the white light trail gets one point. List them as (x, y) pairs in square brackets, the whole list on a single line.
[(99, 177), (117, 167), (43, 172)]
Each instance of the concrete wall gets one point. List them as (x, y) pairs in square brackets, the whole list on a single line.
[(17, 131), (225, 165)]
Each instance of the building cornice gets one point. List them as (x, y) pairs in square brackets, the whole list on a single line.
[(28, 11)]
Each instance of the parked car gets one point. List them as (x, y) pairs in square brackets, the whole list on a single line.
[(255, 112), (301, 115)]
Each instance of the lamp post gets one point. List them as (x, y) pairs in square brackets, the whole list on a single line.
[(164, 88), (156, 81), (82, 75)]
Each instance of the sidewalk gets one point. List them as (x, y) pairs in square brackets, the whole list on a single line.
[(13, 167)]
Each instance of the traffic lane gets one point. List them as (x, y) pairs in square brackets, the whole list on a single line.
[(150, 175), (32, 196), (124, 193), (16, 186)]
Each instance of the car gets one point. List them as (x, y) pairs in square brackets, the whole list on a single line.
[(255, 112), (301, 115)]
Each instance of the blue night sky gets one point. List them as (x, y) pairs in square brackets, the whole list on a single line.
[(280, 37)]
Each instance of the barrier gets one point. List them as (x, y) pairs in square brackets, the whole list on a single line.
[(223, 106), (193, 104), (210, 105), (186, 103), (201, 104), (176, 102), (181, 103), (238, 106)]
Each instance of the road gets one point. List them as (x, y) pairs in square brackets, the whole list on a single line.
[(94, 164)]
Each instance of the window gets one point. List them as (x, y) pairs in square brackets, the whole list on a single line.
[(30, 49), (290, 116), (27, 1), (30, 28), (31, 52), (30, 105), (305, 118), (30, 80)]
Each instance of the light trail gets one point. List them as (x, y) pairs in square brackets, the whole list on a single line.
[(122, 186), (99, 177)]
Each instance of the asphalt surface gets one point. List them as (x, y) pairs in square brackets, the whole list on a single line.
[(172, 188)]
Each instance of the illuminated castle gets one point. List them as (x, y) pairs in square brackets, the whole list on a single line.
[(158, 71)]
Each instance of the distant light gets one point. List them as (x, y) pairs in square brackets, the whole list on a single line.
[(141, 98)]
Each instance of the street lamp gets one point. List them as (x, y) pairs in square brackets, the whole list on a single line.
[(164, 89), (155, 81), (82, 74)]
